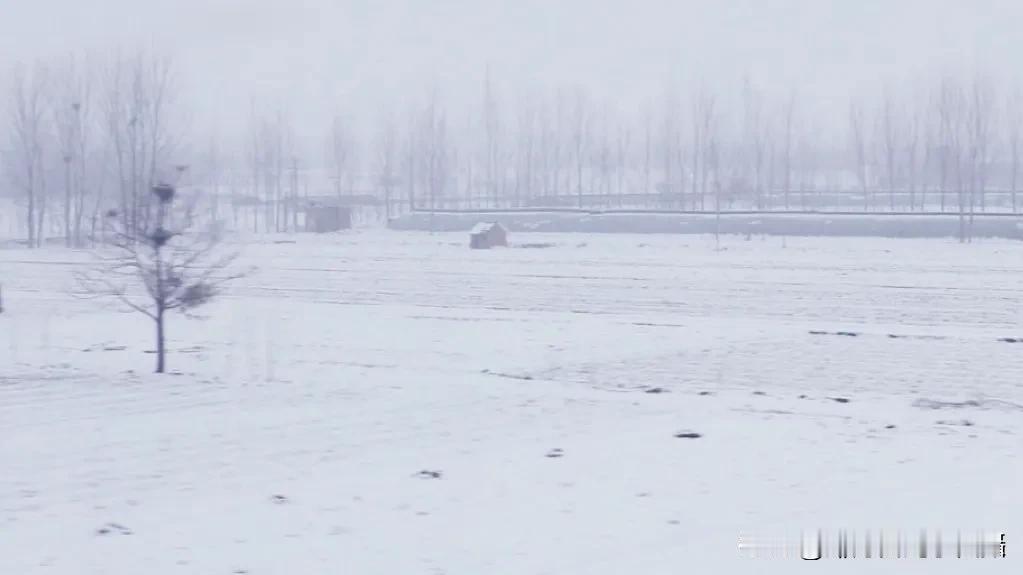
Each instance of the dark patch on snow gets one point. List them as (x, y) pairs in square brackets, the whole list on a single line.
[(1011, 340), (193, 349), (759, 393), (958, 422), (649, 324), (688, 435), (981, 404), (841, 333), (112, 528), (523, 377), (706, 393), (656, 390), (935, 404), (924, 337), (839, 399), (279, 499), (106, 348), (555, 453), (428, 474), (534, 246), (889, 426)]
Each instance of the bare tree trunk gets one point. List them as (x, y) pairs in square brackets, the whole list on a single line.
[(860, 147), (27, 111), (1014, 124), (647, 137), (579, 139), (1014, 186), (161, 345), (890, 144), (67, 202), (790, 109)]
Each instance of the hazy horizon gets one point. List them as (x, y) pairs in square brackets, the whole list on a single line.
[(314, 58)]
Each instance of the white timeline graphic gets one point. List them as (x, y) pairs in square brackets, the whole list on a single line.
[(817, 544)]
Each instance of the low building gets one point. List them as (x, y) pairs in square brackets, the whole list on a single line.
[(325, 219), (486, 235)]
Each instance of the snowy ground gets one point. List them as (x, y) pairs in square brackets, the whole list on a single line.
[(292, 436)]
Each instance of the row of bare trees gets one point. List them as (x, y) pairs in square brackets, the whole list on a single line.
[(86, 136), (949, 146)]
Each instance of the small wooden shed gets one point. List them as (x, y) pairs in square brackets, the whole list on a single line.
[(486, 235), (325, 219)]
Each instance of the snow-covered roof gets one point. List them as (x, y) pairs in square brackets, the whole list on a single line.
[(483, 227)]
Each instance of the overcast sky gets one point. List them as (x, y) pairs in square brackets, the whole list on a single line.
[(314, 56)]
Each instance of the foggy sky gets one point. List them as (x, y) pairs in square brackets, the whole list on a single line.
[(314, 57)]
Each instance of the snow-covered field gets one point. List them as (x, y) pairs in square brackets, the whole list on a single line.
[(394, 403)]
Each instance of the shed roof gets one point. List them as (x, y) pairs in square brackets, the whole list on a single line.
[(484, 227)]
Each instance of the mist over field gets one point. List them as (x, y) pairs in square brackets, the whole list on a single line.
[(315, 58)]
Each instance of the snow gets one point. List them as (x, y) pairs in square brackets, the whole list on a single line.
[(293, 435)]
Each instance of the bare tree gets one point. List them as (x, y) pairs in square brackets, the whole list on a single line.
[(647, 149), (953, 123), (412, 157), (338, 152), (492, 129), (160, 266), (889, 141), (671, 145), (705, 141), (213, 174), (524, 179), (913, 138), (71, 107), (141, 127), (623, 146), (755, 135), (603, 158), (435, 152), (580, 139), (858, 133), (980, 143), (255, 156), (387, 163), (1014, 123), (789, 127), (28, 143)]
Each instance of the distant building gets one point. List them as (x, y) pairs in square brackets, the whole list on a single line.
[(325, 219), (486, 235)]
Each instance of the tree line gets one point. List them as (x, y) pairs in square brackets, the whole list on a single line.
[(86, 136)]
